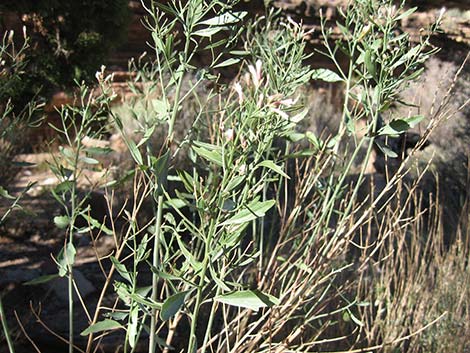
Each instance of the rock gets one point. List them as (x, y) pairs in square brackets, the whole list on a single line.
[(60, 287)]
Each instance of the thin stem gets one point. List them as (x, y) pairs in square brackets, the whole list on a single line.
[(6, 331), (200, 288), (159, 211)]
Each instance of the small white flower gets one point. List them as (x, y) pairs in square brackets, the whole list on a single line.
[(256, 73), (289, 102), (259, 104), (238, 88), (229, 134), (280, 113)]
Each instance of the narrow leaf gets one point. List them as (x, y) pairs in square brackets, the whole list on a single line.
[(134, 151), (132, 328), (274, 167), (104, 325), (208, 32), (225, 19), (41, 279), (386, 150), (89, 160), (251, 212), (213, 156), (250, 299), (121, 268), (4, 193), (227, 62), (406, 13), (326, 75)]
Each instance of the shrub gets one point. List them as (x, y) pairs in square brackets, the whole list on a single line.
[(250, 245)]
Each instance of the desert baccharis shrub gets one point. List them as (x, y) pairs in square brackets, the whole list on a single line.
[(250, 243)]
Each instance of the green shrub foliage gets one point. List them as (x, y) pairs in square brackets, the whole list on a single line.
[(70, 40)]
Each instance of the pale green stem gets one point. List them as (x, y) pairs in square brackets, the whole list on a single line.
[(158, 221), (6, 331), (200, 288)]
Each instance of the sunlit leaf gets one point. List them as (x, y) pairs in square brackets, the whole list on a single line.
[(121, 268), (326, 75), (225, 19), (406, 14), (227, 62), (4, 193), (208, 32), (271, 165), (250, 299), (105, 325), (62, 222), (211, 154), (251, 212), (132, 328)]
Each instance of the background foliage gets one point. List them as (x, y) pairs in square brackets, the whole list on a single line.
[(71, 40)]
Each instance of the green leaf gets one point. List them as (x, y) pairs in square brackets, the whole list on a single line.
[(326, 75), (99, 150), (4, 193), (399, 126), (23, 164), (370, 63), (133, 325), (208, 32), (250, 299), (94, 224), (89, 160), (295, 136), (395, 127), (121, 268), (407, 13), (219, 282), (234, 182), (212, 155), (225, 19), (41, 279), (134, 151), (172, 305), (274, 167), (175, 204), (227, 62), (147, 134), (161, 106), (251, 212), (386, 150), (141, 300), (160, 170), (64, 186), (195, 264), (66, 259), (62, 222), (105, 325), (414, 120)]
